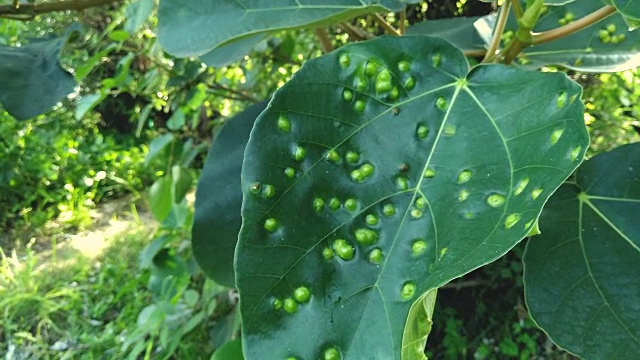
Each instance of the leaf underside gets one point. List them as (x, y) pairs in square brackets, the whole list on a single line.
[(384, 170), (581, 274)]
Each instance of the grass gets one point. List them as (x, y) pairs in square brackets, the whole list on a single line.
[(66, 306)]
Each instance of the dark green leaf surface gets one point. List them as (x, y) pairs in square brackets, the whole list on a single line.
[(160, 197), (368, 197), (231, 52), (588, 50), (582, 273), (217, 220), (32, 79), (459, 31), (181, 23), (628, 8)]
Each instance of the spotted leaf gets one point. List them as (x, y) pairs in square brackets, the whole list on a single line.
[(448, 168), (581, 273)]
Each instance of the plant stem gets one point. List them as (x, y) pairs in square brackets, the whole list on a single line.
[(574, 26), (385, 25), (355, 32), (497, 32), (517, 9), (325, 41), (403, 19), (31, 9)]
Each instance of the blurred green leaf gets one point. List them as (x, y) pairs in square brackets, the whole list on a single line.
[(160, 197), (229, 351), (137, 14)]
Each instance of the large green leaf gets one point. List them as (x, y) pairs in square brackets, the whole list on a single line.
[(459, 31), (582, 273), (384, 170), (232, 52), (182, 24), (32, 79), (628, 8), (217, 221)]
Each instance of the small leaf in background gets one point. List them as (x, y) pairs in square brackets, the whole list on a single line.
[(182, 182), (219, 198), (118, 35), (582, 273), (32, 79), (137, 14), (384, 170), (160, 198), (88, 102), (157, 145), (177, 120), (229, 351)]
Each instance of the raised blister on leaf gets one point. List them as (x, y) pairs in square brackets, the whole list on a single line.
[(302, 294)]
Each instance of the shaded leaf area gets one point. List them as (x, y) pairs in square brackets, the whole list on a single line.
[(234, 51), (606, 46), (382, 171), (217, 220), (460, 31), (628, 8), (180, 23), (581, 274), (32, 79)]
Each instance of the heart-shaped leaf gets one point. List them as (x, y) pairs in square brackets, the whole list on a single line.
[(180, 23), (582, 273), (384, 170), (217, 220)]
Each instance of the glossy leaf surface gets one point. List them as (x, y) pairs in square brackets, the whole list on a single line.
[(459, 31), (181, 23), (581, 274), (217, 220), (32, 79), (384, 170)]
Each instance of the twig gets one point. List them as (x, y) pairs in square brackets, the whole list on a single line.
[(574, 26), (474, 53), (325, 41), (403, 19), (354, 32), (385, 25), (31, 9), (498, 30), (238, 95)]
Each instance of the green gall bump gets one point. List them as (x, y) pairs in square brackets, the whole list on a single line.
[(284, 124), (562, 100), (569, 16), (429, 173), (277, 304), (255, 188), (408, 290), (464, 176), (366, 236), (441, 103), (535, 193), (621, 37), (383, 86), (520, 186), (375, 256), (327, 253), (352, 157), (269, 191), (410, 83), (416, 214), (345, 60), (371, 220), (421, 203), (290, 173), (449, 130), (318, 205), (332, 156), (393, 95), (302, 294), (562, 22), (384, 75), (496, 200), (334, 204), (469, 215), (402, 183), (351, 204), (611, 28), (389, 210), (290, 305), (271, 224), (575, 153), (359, 106), (442, 252), (300, 153), (404, 66), (436, 60), (332, 354), (511, 220), (343, 249), (367, 170), (347, 95), (556, 135), (418, 247), (371, 68), (463, 195), (357, 175), (422, 132), (361, 84), (606, 40)]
